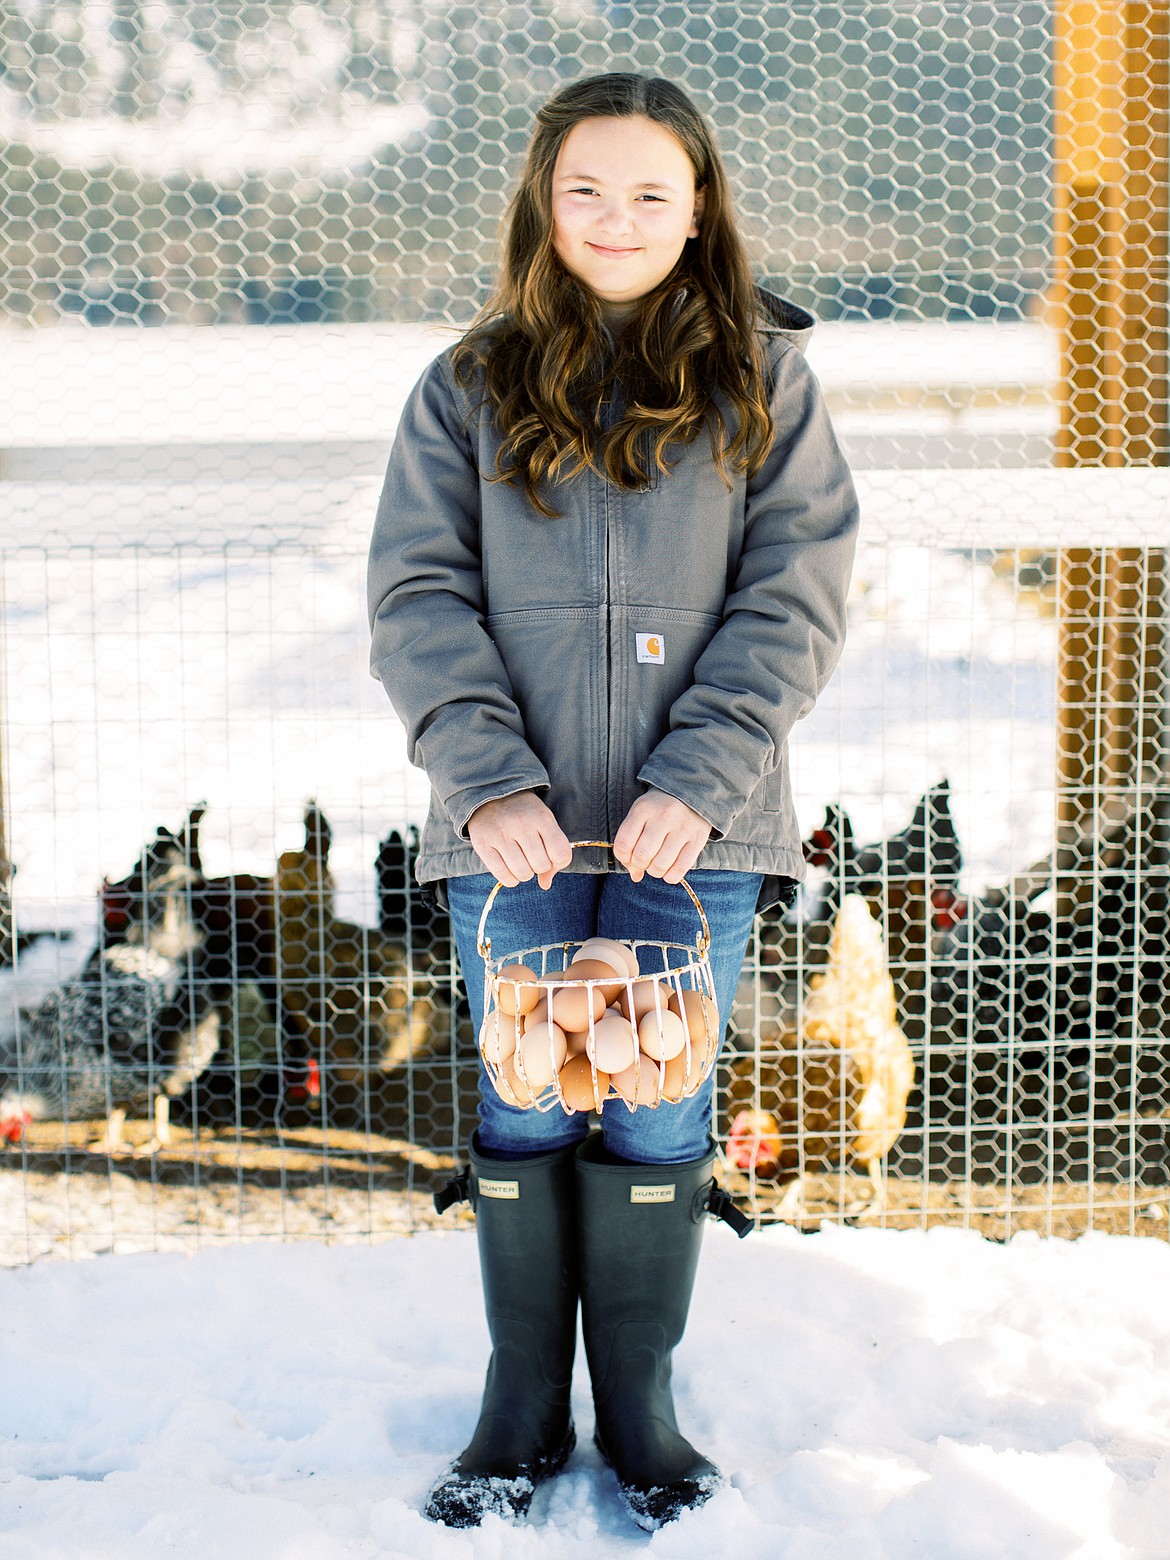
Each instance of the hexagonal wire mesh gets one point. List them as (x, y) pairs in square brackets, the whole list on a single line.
[(231, 237)]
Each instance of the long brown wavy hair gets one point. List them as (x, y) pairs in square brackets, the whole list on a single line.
[(540, 344)]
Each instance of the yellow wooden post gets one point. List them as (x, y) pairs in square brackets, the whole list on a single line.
[(1112, 118), (7, 929)]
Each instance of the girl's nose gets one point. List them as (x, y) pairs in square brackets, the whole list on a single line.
[(616, 221)]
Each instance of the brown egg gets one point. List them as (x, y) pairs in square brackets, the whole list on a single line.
[(516, 989), (645, 992), (682, 1075), (596, 969), (662, 1035), (542, 1052), (698, 1010), (578, 1041), (573, 1006), (613, 1043), (620, 958), (511, 1087), (499, 1037), (638, 1085), (538, 1015), (576, 1080)]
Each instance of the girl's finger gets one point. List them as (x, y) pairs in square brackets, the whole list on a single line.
[(624, 841), (539, 860), (515, 858), (667, 855), (625, 845), (520, 849), (495, 864), (540, 867), (557, 846), (683, 863), (558, 854), (535, 852), (646, 853)]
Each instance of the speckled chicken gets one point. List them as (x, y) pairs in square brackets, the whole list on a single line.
[(137, 1025)]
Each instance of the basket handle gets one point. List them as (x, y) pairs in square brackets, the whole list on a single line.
[(483, 942)]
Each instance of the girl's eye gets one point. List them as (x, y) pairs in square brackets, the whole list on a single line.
[(584, 189)]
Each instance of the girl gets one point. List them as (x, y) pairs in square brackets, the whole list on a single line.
[(607, 577)]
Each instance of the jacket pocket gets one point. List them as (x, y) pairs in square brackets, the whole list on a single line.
[(653, 657), (555, 659)]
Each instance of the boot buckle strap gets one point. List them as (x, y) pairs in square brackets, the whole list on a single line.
[(457, 1190), (718, 1203)]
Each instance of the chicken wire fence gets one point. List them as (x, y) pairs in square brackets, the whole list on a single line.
[(283, 211)]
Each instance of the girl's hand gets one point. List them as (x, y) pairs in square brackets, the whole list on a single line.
[(662, 836), (516, 837)]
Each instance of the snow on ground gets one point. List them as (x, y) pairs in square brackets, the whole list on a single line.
[(872, 1394)]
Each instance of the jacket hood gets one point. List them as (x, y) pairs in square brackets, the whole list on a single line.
[(782, 317)]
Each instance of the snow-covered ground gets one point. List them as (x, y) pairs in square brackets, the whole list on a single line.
[(871, 1394)]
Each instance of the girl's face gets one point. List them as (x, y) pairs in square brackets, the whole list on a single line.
[(623, 205)]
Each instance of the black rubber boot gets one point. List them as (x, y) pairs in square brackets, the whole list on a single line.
[(640, 1231), (526, 1227)]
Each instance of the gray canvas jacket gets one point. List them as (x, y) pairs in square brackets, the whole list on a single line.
[(669, 638)]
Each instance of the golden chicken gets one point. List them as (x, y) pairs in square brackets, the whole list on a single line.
[(834, 1086), (350, 986)]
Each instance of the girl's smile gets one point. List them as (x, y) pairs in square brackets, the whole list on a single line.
[(623, 205)]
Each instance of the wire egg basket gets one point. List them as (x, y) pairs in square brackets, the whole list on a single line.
[(549, 1038)]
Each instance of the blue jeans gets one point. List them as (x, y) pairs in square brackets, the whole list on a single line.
[(581, 905)]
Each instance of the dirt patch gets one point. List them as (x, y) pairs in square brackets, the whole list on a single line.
[(994, 1209), (62, 1196)]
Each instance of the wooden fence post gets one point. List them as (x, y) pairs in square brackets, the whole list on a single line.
[(1112, 123)]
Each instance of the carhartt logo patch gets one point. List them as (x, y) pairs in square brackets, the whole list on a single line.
[(651, 1194), (507, 1191), (650, 648)]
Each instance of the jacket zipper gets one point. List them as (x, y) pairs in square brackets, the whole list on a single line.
[(607, 707), (608, 702)]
